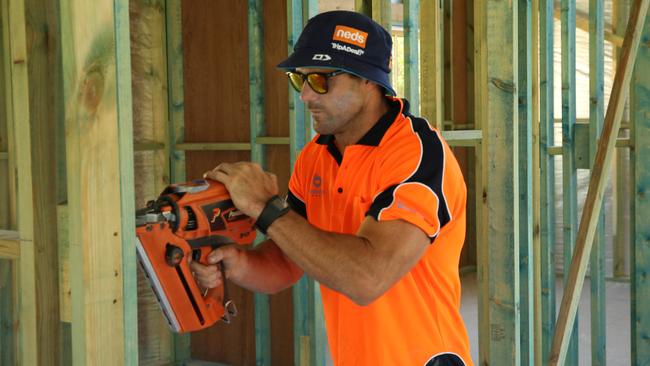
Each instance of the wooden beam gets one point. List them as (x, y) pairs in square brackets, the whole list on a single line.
[(481, 119), (466, 138), (258, 155), (431, 62), (28, 332), (640, 256), (46, 111), (411, 54), (569, 168), (596, 115), (8, 114), (9, 244), (176, 124), (381, 13), (599, 174), (582, 23), (536, 183), (547, 181), (496, 31), (524, 49), (97, 80)]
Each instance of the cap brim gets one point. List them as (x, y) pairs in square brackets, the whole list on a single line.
[(305, 58)]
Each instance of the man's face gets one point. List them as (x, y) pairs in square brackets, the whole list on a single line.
[(331, 112)]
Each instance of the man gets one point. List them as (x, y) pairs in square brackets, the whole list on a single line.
[(377, 208)]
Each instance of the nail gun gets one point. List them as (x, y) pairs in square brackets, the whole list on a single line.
[(188, 220)]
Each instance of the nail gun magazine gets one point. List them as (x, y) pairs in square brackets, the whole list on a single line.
[(188, 220)]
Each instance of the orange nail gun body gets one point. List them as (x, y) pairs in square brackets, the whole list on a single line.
[(188, 220)]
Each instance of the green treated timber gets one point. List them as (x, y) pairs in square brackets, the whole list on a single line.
[(467, 138), (500, 266), (213, 146), (569, 168), (536, 218), (96, 58), (28, 331), (9, 244), (176, 125), (623, 143), (525, 233), (640, 107), (126, 180), (411, 54), (481, 119), (597, 182), (149, 146), (176, 101), (621, 187), (8, 318), (596, 116), (547, 179), (4, 156), (258, 155), (431, 62), (381, 13)]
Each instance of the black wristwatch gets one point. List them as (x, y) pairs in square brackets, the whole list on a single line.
[(275, 208)]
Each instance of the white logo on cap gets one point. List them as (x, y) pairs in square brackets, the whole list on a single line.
[(321, 57)]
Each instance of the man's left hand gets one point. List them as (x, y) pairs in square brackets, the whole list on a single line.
[(249, 186)]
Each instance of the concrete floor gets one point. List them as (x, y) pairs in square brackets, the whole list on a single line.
[(618, 319)]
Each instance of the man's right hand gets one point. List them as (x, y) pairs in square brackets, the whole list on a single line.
[(209, 275)]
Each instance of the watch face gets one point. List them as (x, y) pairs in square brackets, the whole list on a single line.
[(279, 203)]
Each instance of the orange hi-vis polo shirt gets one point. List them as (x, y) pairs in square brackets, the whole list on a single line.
[(401, 169)]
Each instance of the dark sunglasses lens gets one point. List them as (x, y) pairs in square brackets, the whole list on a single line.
[(296, 81), (318, 82)]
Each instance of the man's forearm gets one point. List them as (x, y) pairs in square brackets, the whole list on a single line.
[(267, 270), (340, 262)]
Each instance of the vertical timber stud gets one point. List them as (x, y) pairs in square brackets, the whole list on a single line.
[(640, 107), (381, 13), (547, 179), (28, 337), (499, 265), (176, 103), (126, 179), (97, 83), (480, 92), (258, 155), (525, 233), (44, 87), (309, 330), (431, 62), (621, 177), (600, 171), (536, 235), (411, 54), (176, 126), (596, 116), (569, 172)]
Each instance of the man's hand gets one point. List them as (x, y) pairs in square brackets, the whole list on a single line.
[(209, 276), (249, 186)]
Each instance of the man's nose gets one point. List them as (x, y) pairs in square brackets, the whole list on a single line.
[(307, 93)]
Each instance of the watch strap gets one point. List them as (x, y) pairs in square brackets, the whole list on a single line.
[(275, 208)]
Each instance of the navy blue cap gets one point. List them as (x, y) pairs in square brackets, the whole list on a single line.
[(347, 41)]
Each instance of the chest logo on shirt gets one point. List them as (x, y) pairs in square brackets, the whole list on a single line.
[(316, 183)]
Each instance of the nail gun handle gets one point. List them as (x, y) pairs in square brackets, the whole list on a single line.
[(218, 296)]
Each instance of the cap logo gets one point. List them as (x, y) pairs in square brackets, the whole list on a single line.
[(350, 36), (321, 57)]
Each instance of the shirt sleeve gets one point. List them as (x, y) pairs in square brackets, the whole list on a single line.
[(411, 186), (296, 194)]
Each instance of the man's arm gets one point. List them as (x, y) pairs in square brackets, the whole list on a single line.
[(262, 269), (361, 266)]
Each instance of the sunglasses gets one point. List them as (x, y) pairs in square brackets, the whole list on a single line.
[(316, 80)]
